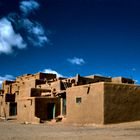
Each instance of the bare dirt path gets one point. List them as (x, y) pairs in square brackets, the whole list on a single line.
[(16, 131)]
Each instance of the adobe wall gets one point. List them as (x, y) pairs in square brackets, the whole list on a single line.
[(47, 86), (56, 85), (48, 76), (121, 103), (6, 88), (99, 78), (25, 88), (1, 107), (15, 88), (90, 110), (26, 111), (122, 80), (35, 109), (4, 107)]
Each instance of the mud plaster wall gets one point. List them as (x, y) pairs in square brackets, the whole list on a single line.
[(15, 88), (25, 88), (56, 85), (26, 111), (4, 107), (6, 89), (1, 106), (44, 75), (121, 103), (90, 110)]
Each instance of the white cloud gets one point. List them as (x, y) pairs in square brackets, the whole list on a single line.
[(136, 81), (53, 72), (97, 74), (35, 32), (133, 69), (12, 25), (76, 61), (6, 77), (27, 7), (8, 38)]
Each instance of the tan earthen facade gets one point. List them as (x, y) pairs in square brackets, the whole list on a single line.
[(91, 99), (85, 104)]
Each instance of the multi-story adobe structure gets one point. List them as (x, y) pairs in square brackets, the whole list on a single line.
[(91, 99)]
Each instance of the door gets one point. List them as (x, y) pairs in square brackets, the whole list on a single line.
[(13, 109), (50, 111)]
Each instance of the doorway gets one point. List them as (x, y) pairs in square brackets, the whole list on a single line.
[(51, 111), (64, 107), (13, 109)]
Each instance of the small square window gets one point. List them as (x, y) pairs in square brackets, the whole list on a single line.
[(78, 100)]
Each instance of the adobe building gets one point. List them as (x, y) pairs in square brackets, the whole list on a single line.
[(1, 102), (43, 97), (7, 99), (103, 103)]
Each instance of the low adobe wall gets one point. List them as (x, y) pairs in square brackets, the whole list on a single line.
[(85, 104), (26, 111), (121, 103), (35, 109)]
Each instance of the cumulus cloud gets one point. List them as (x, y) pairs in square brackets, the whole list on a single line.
[(6, 77), (133, 69), (76, 61), (14, 26), (136, 81), (52, 71), (28, 7), (98, 74), (9, 38), (35, 32)]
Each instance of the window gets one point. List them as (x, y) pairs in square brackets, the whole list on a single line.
[(78, 100)]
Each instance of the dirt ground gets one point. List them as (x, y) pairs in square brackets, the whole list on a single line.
[(10, 130)]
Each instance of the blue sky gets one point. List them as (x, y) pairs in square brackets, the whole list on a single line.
[(69, 37)]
